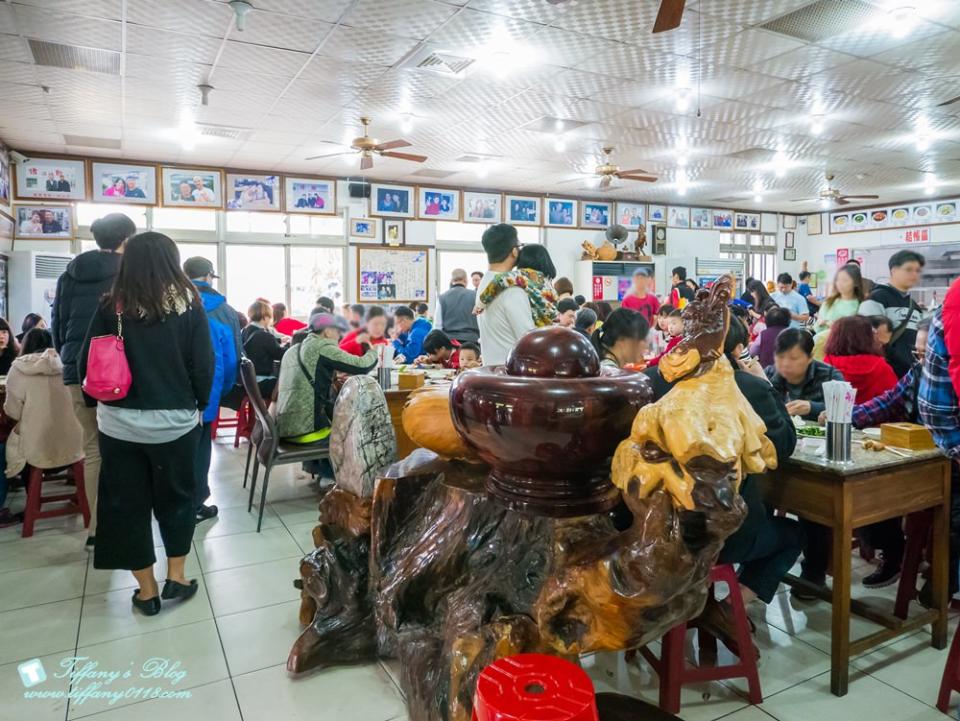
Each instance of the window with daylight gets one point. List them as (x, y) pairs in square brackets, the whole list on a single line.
[(758, 251), (315, 271), (316, 225), (184, 219), (246, 222), (255, 271), (201, 250), (89, 212), (449, 260)]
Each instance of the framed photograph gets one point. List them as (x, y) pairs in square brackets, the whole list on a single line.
[(678, 217), (438, 203), (789, 253), (723, 220), (815, 224), (561, 213), (392, 201), (248, 191), (6, 193), (595, 214), (788, 239), (51, 221), (631, 215), (482, 207), (192, 188), (51, 179), (523, 209), (789, 222), (316, 196), (657, 213), (393, 232), (363, 228), (746, 221), (123, 183), (701, 218), (6, 231)]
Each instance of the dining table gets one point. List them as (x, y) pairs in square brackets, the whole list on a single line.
[(872, 486)]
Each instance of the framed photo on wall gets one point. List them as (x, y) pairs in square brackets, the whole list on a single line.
[(192, 188), (249, 191), (815, 224), (595, 214), (392, 201), (657, 213), (316, 196), (788, 239), (678, 217), (123, 183), (746, 221), (561, 213), (482, 207), (523, 209), (49, 221), (6, 190), (789, 222), (51, 179), (394, 231), (789, 253), (438, 203), (723, 220), (363, 228), (701, 218), (631, 215)]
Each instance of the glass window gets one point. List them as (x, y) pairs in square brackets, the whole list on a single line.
[(203, 250), (316, 224), (465, 232), (315, 272), (528, 234), (448, 260), (184, 219), (255, 271), (239, 221), (89, 212)]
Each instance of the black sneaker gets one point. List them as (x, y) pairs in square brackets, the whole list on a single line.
[(91, 542), (925, 596), (885, 575), (205, 512), (9, 519), (801, 594)]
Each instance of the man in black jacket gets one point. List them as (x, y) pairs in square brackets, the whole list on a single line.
[(79, 290)]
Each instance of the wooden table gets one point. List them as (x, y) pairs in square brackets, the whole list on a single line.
[(873, 487), (395, 401)]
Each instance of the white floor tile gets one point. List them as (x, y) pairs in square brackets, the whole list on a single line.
[(244, 588), (357, 693), (39, 630), (213, 702), (244, 549), (171, 659), (302, 510), (43, 529), (235, 519), (53, 548), (750, 713), (33, 586), (260, 638), (303, 534), (101, 581), (20, 702)]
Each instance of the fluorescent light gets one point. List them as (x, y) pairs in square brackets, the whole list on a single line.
[(683, 100), (816, 125), (901, 20), (406, 122), (757, 198)]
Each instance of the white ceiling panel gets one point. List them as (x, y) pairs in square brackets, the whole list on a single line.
[(327, 10), (369, 47), (191, 17), (801, 63), (181, 48), (471, 33), (55, 27), (748, 48), (278, 31), (13, 47), (416, 19), (260, 59), (535, 11)]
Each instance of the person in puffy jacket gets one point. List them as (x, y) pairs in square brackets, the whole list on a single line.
[(225, 337), (853, 349), (79, 290)]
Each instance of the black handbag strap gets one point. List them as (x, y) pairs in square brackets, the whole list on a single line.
[(903, 323), (303, 367)]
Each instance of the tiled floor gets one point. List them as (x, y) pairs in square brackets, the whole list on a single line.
[(221, 656)]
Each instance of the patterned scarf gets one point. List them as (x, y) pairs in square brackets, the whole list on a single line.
[(539, 289)]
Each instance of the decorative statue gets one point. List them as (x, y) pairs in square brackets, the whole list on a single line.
[(641, 241), (607, 251), (589, 251), (452, 565)]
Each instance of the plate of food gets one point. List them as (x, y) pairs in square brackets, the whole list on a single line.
[(812, 431), (859, 218), (900, 214), (921, 211), (879, 216), (840, 220)]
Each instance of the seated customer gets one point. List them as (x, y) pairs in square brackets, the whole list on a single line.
[(853, 349), (883, 329), (47, 434), (765, 546), (305, 401), (586, 321), (777, 320), (622, 340), (440, 349), (567, 312), (411, 332), (470, 356), (261, 346), (375, 328), (796, 377)]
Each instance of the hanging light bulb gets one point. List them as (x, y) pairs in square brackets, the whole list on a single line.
[(683, 100), (902, 19), (406, 123), (817, 125), (240, 9)]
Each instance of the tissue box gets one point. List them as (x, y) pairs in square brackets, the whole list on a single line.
[(409, 381), (906, 435)]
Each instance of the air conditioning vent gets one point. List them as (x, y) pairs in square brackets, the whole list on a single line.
[(754, 155), (428, 173), (432, 60), (49, 267), (726, 201), (223, 131), (74, 57), (548, 124), (823, 19), (86, 141)]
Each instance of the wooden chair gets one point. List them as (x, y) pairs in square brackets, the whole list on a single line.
[(76, 497), (271, 451)]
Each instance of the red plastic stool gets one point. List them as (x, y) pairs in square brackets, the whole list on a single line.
[(76, 498), (221, 422), (674, 672), (245, 420), (534, 687), (951, 674), (917, 530)]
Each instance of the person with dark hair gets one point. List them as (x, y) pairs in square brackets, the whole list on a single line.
[(375, 327), (326, 303), (509, 314), (534, 273), (854, 350), (673, 334), (893, 301), (622, 340), (470, 356), (79, 290), (777, 320), (639, 299), (883, 329), (284, 324), (567, 312), (475, 278), (411, 332), (454, 314), (680, 292), (357, 312), (564, 288), (804, 289), (9, 348), (31, 321), (580, 300), (604, 309), (423, 311), (149, 438), (586, 321), (844, 301), (261, 346), (797, 377), (787, 297), (440, 349), (227, 349)]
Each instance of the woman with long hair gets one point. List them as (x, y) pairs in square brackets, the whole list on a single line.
[(760, 301), (148, 439), (622, 340), (853, 349), (534, 273), (848, 294), (9, 349), (31, 321)]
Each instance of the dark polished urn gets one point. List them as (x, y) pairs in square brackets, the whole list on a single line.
[(548, 423)]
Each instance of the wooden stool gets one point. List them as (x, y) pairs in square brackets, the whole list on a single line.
[(951, 674), (76, 498), (917, 531), (672, 668)]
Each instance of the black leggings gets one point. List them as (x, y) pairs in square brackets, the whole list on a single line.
[(138, 479)]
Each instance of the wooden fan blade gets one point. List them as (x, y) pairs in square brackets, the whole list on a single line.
[(366, 162), (860, 197), (605, 182), (331, 155), (951, 101), (405, 156), (670, 15), (391, 144), (841, 201), (805, 200), (635, 171), (641, 178)]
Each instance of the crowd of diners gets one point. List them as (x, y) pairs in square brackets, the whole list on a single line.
[(148, 454)]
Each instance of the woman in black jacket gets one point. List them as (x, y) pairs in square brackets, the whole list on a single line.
[(9, 348), (261, 346), (149, 438)]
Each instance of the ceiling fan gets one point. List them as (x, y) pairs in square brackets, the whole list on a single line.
[(367, 147), (670, 15), (608, 171), (832, 195)]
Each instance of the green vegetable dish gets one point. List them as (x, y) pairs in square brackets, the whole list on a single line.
[(812, 431)]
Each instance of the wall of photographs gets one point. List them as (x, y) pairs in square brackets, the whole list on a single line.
[(938, 212)]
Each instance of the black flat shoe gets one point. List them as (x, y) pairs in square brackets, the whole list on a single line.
[(150, 607), (173, 590)]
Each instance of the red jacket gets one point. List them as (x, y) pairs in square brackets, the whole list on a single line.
[(871, 375), (671, 344), (349, 343), (951, 331), (288, 326)]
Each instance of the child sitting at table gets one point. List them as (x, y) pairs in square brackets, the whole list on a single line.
[(674, 334), (440, 349), (470, 356)]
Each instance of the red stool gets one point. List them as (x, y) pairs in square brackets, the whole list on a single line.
[(674, 672), (951, 674), (223, 422), (245, 421), (76, 498), (917, 530), (534, 687)]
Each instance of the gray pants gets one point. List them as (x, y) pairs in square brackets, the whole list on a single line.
[(87, 417)]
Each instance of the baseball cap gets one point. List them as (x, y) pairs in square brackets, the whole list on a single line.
[(198, 267), (320, 321)]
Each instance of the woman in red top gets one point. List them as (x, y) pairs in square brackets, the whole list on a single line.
[(853, 349), (376, 326)]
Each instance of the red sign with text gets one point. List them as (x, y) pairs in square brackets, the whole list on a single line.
[(916, 235), (598, 287), (843, 257)]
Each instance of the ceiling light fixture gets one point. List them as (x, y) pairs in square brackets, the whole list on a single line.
[(482, 170), (560, 144), (758, 198), (923, 143), (205, 89), (683, 100), (930, 184), (406, 122), (901, 20), (825, 202), (682, 161), (240, 9), (816, 125)]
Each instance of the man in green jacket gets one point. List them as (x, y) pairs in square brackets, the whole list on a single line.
[(305, 401)]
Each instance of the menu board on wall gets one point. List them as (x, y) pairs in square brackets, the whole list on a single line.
[(896, 216), (392, 275)]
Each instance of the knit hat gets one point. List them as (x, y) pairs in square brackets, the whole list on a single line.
[(320, 321)]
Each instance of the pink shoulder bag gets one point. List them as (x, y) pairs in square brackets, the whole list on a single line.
[(108, 373)]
